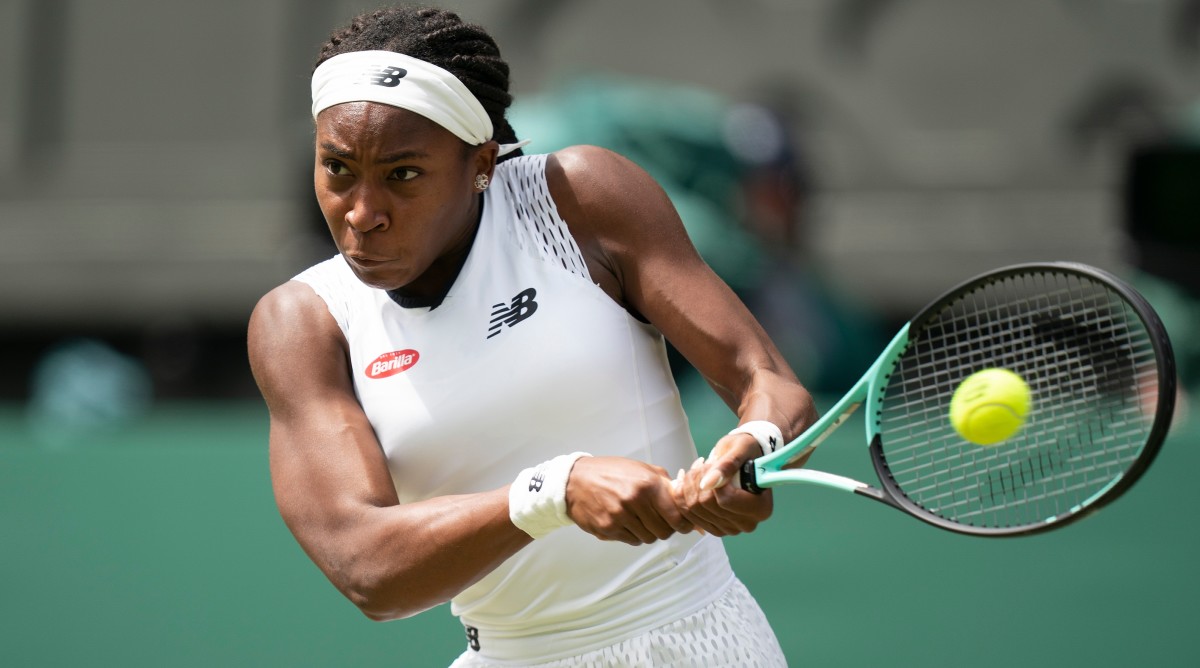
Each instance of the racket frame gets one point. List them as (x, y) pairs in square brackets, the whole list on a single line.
[(771, 470)]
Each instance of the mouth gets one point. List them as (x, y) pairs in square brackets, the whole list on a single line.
[(364, 261)]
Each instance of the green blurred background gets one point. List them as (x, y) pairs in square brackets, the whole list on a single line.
[(159, 545), (838, 162)]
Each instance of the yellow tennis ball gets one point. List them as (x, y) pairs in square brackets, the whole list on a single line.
[(990, 406)]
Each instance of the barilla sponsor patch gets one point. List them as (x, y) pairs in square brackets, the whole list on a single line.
[(390, 364)]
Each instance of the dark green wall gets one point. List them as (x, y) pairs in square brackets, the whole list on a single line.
[(160, 545)]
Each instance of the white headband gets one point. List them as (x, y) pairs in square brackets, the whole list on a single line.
[(408, 83)]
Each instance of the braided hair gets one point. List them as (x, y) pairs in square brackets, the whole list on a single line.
[(439, 37)]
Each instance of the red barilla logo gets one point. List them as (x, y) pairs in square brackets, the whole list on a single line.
[(390, 364)]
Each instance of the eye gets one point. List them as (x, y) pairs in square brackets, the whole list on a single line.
[(336, 168), (404, 174)]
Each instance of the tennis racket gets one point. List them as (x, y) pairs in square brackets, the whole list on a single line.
[(1102, 382)]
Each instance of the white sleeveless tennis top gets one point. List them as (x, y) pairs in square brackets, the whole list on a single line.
[(526, 359)]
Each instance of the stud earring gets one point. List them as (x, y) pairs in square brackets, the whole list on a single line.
[(482, 182)]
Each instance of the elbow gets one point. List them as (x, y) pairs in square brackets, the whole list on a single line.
[(379, 615), (371, 599), (371, 605), (376, 600), (387, 613), (381, 588)]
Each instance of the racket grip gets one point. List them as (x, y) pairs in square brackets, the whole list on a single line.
[(748, 478)]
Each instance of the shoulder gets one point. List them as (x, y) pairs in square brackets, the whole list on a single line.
[(290, 302), (621, 218), (593, 173), (604, 194), (290, 319), (576, 160)]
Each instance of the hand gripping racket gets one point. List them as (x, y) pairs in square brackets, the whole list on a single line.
[(1102, 383)]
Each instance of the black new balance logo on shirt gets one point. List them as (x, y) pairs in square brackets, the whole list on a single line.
[(385, 75), (522, 306)]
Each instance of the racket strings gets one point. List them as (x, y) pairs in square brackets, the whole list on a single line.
[(1091, 365)]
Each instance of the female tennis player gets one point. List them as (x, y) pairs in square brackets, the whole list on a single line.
[(471, 401)]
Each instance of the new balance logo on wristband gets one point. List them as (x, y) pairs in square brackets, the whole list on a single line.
[(519, 308), (384, 75), (774, 443), (536, 481)]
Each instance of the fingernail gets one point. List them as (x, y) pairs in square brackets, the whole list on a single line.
[(712, 480), (698, 462)]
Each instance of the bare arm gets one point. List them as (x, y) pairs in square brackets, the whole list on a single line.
[(638, 251), (332, 484)]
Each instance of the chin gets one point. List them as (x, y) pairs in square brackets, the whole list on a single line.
[(378, 279)]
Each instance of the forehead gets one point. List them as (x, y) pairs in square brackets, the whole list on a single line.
[(382, 127)]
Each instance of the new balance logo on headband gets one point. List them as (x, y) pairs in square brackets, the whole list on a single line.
[(385, 75)]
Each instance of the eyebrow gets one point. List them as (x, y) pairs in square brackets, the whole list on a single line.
[(383, 159)]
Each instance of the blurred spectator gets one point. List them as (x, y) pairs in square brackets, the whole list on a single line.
[(828, 338), (672, 131), (1162, 220), (84, 388)]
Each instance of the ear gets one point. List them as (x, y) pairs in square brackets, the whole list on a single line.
[(484, 159)]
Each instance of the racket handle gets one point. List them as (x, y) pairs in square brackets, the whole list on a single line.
[(748, 477)]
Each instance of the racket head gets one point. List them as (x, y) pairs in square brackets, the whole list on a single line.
[(1102, 376)]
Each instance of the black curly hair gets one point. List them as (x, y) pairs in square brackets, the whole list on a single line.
[(440, 37)]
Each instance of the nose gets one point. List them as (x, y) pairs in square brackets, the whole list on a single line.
[(369, 211)]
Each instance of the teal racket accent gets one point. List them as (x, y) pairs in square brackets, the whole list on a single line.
[(769, 470), (1101, 372)]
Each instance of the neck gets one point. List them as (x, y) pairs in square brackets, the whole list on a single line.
[(430, 290)]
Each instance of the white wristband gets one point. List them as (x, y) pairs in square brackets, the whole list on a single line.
[(537, 499), (769, 436)]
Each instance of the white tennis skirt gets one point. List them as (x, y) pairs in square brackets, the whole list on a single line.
[(732, 631)]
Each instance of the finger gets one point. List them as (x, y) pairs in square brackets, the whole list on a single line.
[(713, 478), (727, 458), (621, 532), (615, 534), (743, 509), (677, 482), (650, 513), (700, 506), (727, 510), (705, 516), (655, 523), (646, 527), (627, 537), (685, 525), (707, 524), (709, 477), (715, 524), (679, 496), (671, 498)]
